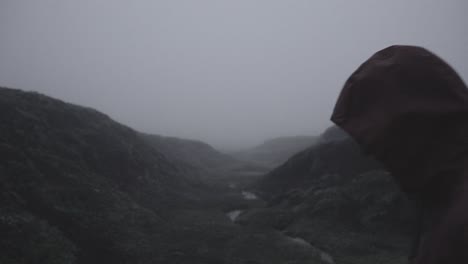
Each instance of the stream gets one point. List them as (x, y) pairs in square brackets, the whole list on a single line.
[(323, 255), (234, 214), (249, 196)]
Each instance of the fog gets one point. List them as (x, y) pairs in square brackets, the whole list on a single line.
[(230, 73)]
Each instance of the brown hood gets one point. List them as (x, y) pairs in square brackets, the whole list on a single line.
[(409, 109)]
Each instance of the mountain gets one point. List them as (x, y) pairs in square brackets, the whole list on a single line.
[(274, 152), (77, 187), (335, 153), (195, 153), (212, 167), (338, 199), (332, 134)]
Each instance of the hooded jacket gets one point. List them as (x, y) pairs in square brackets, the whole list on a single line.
[(409, 109)]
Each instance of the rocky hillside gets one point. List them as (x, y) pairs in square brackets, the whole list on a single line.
[(77, 186), (274, 152), (336, 198)]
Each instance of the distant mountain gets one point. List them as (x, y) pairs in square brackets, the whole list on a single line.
[(338, 199), (194, 153), (76, 186), (332, 134), (274, 152), (209, 165)]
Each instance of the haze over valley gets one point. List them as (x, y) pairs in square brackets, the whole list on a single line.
[(198, 132), (232, 74)]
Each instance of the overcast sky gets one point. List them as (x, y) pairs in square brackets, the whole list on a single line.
[(230, 73)]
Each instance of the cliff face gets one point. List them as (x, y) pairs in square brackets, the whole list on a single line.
[(76, 185)]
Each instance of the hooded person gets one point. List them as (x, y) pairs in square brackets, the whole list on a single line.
[(409, 109)]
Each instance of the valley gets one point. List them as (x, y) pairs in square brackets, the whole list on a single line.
[(82, 188)]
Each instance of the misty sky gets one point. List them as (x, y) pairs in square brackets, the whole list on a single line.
[(230, 73)]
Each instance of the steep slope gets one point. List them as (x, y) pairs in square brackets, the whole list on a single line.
[(274, 152), (338, 199), (78, 186)]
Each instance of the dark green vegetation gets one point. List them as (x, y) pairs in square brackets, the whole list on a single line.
[(77, 187), (274, 152)]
